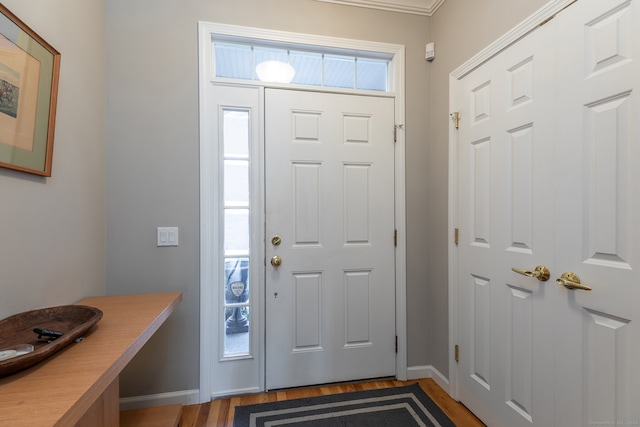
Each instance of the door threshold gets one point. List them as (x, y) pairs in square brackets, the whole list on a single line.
[(337, 383)]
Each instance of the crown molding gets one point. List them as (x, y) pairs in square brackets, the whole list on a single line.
[(416, 7)]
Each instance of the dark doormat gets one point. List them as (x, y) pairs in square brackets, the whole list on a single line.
[(389, 407)]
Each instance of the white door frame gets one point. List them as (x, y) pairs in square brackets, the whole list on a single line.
[(206, 31), (519, 31)]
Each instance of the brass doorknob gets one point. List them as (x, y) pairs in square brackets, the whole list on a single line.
[(571, 281), (276, 260), (541, 273)]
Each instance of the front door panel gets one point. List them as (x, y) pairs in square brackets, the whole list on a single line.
[(330, 293)]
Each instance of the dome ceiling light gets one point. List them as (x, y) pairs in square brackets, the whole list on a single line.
[(275, 72)]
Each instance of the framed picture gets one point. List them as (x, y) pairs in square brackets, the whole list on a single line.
[(29, 70)]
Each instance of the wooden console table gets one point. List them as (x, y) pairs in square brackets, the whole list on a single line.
[(78, 386)]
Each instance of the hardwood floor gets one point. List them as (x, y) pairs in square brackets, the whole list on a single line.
[(219, 413)]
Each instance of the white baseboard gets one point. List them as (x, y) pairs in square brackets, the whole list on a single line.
[(428, 371), (192, 397), (184, 397)]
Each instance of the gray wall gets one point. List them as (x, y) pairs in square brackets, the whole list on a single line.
[(52, 243), (460, 29), (52, 240), (152, 157)]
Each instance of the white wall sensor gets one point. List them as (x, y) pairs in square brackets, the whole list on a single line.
[(430, 52)]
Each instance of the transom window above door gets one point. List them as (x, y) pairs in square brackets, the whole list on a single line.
[(301, 65)]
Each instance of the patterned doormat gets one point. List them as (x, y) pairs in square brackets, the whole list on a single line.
[(389, 407)]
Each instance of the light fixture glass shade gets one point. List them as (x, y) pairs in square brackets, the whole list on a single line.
[(275, 72)]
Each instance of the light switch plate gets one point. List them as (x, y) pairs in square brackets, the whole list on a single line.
[(167, 236)]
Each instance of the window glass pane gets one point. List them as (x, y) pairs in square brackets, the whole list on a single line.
[(236, 133), (308, 67), (339, 71), (269, 63), (236, 279), (272, 65), (270, 54), (372, 74), (233, 61), (236, 183), (236, 336), (236, 231)]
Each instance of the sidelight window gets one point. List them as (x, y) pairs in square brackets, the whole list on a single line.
[(237, 229)]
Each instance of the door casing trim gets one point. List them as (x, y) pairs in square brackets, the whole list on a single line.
[(207, 30)]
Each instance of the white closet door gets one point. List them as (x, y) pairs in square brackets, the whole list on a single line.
[(549, 148), (506, 220), (597, 333)]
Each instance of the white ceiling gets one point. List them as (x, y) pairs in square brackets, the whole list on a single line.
[(417, 7)]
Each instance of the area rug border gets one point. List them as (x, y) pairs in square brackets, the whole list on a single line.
[(242, 417)]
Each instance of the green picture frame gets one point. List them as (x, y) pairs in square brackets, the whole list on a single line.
[(29, 72)]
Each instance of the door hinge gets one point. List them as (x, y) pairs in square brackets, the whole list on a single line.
[(395, 238), (456, 119), (546, 20), (457, 351), (396, 344), (395, 132), (456, 235), (553, 16)]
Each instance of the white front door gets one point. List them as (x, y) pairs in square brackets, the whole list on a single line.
[(547, 173), (329, 184)]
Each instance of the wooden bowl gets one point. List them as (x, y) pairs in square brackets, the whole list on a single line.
[(16, 330)]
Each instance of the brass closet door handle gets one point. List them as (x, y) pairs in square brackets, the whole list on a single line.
[(541, 273), (572, 281)]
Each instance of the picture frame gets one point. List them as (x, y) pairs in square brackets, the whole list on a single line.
[(29, 72)]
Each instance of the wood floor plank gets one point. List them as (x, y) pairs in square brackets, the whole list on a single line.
[(190, 415), (215, 411), (223, 418), (456, 411), (159, 416)]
